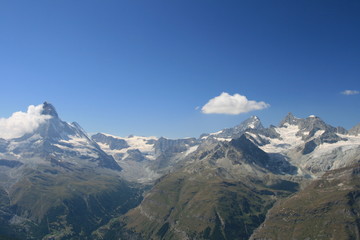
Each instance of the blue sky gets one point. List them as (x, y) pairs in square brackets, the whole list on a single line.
[(147, 67)]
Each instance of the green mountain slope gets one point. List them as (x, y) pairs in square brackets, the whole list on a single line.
[(329, 208), (57, 204)]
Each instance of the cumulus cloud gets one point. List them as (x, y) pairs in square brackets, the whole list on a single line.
[(232, 104), (350, 92), (20, 123)]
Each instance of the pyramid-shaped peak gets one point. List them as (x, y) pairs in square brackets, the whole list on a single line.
[(49, 109), (290, 115), (252, 122)]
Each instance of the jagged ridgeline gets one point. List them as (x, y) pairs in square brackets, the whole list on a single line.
[(247, 182)]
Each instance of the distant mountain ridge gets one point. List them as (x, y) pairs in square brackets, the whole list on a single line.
[(59, 183), (294, 140)]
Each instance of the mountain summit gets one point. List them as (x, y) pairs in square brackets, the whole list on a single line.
[(49, 109), (59, 143), (289, 119), (252, 123)]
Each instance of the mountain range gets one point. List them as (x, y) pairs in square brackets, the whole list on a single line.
[(288, 181)]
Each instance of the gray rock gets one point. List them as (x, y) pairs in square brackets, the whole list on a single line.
[(341, 130), (171, 146), (290, 119), (355, 130), (135, 155), (114, 143)]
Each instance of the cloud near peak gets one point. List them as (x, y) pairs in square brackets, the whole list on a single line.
[(350, 92), (21, 123), (232, 104)]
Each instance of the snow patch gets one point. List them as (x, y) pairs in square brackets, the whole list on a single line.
[(351, 143), (78, 144), (216, 133), (223, 139), (288, 139), (135, 142), (191, 149)]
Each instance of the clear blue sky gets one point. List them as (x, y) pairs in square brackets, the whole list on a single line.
[(142, 67)]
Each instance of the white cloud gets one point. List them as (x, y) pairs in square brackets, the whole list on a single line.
[(350, 92), (20, 123), (232, 104)]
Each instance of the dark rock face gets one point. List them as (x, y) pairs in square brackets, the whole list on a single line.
[(275, 163), (135, 155), (250, 151), (330, 137), (49, 109), (309, 147), (10, 163), (114, 143)]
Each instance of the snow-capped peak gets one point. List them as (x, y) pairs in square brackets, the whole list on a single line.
[(254, 122)]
